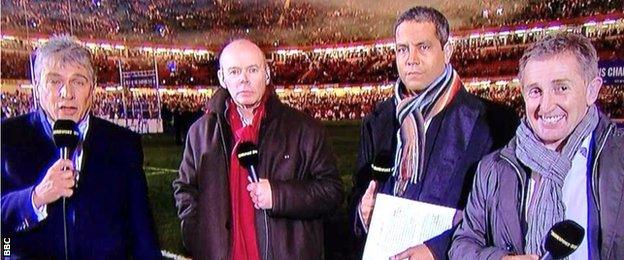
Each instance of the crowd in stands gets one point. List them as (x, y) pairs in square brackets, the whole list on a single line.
[(324, 105), (497, 13), (273, 22), (474, 57)]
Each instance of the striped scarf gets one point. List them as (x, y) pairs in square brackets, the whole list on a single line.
[(553, 167), (412, 111)]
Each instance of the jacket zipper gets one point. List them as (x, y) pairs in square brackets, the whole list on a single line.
[(595, 169), (223, 144), (523, 186)]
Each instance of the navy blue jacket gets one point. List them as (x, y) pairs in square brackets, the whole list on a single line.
[(108, 216), (457, 138)]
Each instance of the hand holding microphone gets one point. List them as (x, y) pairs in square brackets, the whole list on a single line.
[(261, 194), (381, 169), (561, 241), (259, 189), (58, 182), (60, 178)]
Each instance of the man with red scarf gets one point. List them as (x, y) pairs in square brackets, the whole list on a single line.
[(224, 215)]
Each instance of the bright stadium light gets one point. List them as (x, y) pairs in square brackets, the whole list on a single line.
[(8, 37), (501, 82)]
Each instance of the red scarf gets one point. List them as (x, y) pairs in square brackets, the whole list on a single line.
[(244, 245)]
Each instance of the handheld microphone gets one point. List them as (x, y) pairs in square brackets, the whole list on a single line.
[(563, 239), (247, 153), (382, 167), (66, 136)]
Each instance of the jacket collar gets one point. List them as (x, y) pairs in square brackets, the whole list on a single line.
[(218, 104)]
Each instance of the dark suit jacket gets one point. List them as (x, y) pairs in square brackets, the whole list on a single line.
[(108, 216), (457, 138)]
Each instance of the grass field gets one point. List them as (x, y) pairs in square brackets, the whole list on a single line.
[(162, 158)]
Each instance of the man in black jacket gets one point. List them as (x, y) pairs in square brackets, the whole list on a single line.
[(224, 215)]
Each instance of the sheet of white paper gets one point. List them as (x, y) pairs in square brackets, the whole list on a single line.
[(399, 223)]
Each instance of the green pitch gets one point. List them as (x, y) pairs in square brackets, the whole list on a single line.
[(162, 158)]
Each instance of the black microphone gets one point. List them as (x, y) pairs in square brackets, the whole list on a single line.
[(563, 239), (66, 136), (382, 166), (247, 153)]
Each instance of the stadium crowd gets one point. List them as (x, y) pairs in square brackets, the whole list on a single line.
[(327, 105), (474, 57), (272, 22)]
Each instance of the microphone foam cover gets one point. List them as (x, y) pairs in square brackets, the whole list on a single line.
[(65, 134), (564, 238), (247, 153)]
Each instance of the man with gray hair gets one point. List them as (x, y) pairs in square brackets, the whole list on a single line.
[(435, 131), (564, 163), (92, 203)]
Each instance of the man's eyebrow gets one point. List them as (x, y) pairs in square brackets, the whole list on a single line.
[(560, 81), (53, 74)]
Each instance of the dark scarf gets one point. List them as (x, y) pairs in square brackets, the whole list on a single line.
[(552, 166), (412, 111), (244, 241)]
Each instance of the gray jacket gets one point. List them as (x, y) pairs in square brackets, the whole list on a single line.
[(494, 224)]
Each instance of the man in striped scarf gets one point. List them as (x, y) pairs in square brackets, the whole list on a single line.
[(564, 163), (435, 129)]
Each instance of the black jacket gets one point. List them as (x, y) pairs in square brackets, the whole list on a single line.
[(296, 159)]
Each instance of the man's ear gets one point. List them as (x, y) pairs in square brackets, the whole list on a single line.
[(448, 51), (593, 88), (267, 75), (221, 78)]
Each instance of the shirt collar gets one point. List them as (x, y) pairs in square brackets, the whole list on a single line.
[(584, 149), (83, 125)]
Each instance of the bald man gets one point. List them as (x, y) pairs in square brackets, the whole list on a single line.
[(226, 215)]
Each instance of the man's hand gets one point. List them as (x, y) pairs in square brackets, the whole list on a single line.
[(520, 257), (416, 252), (58, 181), (368, 202), (261, 194)]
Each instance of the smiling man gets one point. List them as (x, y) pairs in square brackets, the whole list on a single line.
[(565, 162), (435, 129), (225, 215), (97, 197)]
